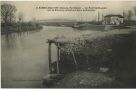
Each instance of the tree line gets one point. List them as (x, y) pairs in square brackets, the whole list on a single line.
[(129, 14), (12, 23)]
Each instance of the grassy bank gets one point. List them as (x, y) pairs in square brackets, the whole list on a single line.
[(19, 27), (115, 50), (82, 79)]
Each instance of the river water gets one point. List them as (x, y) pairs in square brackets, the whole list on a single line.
[(25, 56)]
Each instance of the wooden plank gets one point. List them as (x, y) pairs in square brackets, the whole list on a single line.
[(49, 57), (58, 60)]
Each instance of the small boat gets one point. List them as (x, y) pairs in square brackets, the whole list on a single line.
[(76, 25)]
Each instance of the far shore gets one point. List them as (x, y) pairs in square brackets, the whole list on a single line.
[(19, 27)]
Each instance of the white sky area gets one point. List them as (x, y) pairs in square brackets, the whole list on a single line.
[(28, 8)]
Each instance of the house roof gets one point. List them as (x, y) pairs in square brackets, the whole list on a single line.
[(114, 15)]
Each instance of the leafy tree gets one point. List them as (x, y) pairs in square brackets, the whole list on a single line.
[(124, 15), (20, 17), (135, 10), (8, 13), (130, 14)]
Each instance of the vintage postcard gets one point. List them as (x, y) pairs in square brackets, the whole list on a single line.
[(68, 44)]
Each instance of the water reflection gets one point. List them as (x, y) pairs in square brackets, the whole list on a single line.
[(25, 55), (10, 41)]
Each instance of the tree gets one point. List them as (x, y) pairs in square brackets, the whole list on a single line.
[(20, 17), (130, 14), (8, 13), (135, 10), (125, 15)]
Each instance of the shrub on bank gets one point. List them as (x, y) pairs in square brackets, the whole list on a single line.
[(115, 51)]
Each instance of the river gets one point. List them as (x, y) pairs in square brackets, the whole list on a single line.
[(25, 56)]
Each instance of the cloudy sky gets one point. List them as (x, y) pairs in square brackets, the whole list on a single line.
[(28, 8)]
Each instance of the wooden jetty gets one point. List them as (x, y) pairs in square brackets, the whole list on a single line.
[(53, 77), (56, 75)]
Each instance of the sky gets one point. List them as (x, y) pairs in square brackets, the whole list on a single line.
[(29, 11)]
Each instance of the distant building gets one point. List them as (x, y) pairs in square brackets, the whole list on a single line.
[(113, 19)]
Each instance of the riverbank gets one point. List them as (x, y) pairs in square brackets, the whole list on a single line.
[(111, 53), (19, 27)]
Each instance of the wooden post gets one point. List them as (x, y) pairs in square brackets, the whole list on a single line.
[(49, 57), (58, 58)]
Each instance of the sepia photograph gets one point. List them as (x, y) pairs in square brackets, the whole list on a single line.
[(68, 44)]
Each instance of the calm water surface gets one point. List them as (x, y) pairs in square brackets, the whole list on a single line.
[(25, 55)]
